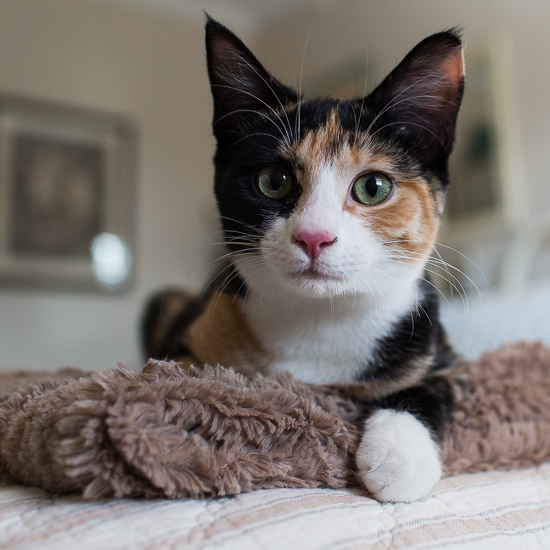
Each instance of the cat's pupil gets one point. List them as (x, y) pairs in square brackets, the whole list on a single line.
[(277, 180), (371, 186)]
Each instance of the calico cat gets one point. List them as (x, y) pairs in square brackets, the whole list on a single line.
[(329, 209)]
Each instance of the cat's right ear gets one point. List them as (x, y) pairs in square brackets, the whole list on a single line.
[(240, 84)]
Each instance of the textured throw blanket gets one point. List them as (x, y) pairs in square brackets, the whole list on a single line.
[(193, 432)]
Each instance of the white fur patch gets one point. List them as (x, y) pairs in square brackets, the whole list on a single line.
[(397, 459), (323, 341)]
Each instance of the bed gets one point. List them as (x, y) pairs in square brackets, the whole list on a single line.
[(496, 510), (489, 510)]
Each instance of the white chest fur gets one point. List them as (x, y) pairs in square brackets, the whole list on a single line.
[(324, 341)]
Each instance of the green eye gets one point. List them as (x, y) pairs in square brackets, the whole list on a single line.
[(274, 182), (372, 188)]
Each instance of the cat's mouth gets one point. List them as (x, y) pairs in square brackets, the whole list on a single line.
[(312, 273), (312, 281)]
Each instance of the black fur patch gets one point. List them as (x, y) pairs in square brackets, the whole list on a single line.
[(431, 402), (417, 338)]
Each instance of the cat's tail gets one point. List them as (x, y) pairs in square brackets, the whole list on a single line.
[(164, 324)]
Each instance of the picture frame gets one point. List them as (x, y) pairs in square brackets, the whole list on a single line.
[(66, 179)]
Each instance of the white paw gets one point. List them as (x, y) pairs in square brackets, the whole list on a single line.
[(397, 459)]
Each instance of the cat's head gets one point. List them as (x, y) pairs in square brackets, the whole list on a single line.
[(324, 197)]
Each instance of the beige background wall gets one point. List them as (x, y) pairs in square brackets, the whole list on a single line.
[(148, 64)]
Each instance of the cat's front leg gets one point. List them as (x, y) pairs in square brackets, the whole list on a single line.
[(397, 460), (398, 457)]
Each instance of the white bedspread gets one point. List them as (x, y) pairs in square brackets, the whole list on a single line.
[(496, 510)]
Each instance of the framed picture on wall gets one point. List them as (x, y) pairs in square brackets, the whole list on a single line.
[(66, 178)]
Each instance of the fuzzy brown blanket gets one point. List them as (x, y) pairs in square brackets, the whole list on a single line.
[(170, 432)]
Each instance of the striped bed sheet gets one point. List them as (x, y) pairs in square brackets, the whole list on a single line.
[(490, 510)]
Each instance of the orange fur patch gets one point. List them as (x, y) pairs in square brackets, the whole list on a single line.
[(221, 336), (408, 217)]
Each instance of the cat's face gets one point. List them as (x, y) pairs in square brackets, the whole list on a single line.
[(330, 197)]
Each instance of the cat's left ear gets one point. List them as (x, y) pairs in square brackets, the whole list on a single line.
[(240, 84), (418, 103)]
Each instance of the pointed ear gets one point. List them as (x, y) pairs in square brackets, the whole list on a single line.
[(418, 102), (239, 82)]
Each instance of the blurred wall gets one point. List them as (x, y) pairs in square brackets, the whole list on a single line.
[(150, 67)]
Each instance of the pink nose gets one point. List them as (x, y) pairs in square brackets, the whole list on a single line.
[(313, 243)]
